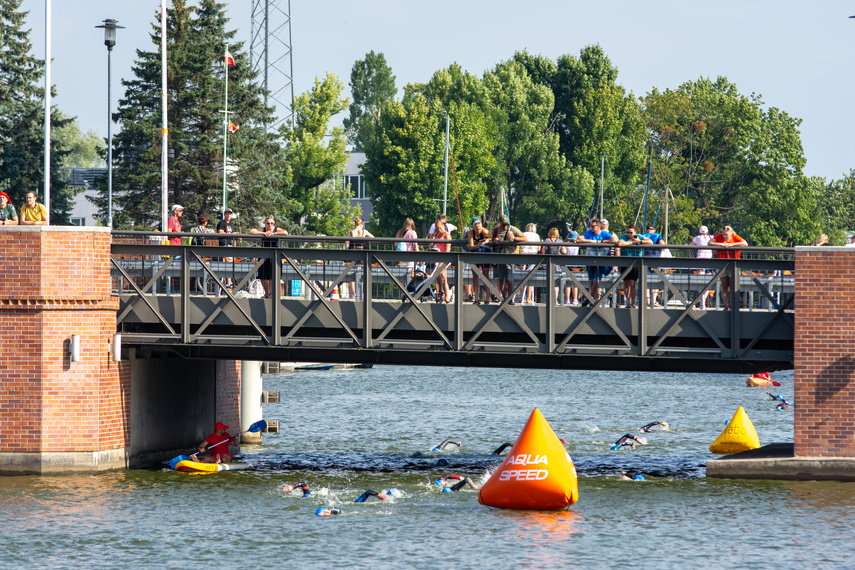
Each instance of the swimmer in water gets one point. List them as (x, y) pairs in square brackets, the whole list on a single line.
[(624, 476), (779, 398), (462, 482), (627, 440), (327, 511), (446, 443), (302, 486), (649, 427), (382, 495), (501, 448)]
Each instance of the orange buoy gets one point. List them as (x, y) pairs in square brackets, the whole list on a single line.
[(537, 474)]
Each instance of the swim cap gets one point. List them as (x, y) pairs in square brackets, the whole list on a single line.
[(435, 449), (320, 510), (307, 495), (446, 490), (442, 462), (417, 454), (639, 478), (438, 482)]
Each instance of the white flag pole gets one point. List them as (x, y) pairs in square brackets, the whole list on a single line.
[(47, 108), (164, 156)]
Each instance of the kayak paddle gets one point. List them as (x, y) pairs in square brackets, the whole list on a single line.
[(254, 428)]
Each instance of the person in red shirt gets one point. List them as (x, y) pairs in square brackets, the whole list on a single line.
[(219, 451), (725, 244)]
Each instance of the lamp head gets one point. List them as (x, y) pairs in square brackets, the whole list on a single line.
[(110, 26)]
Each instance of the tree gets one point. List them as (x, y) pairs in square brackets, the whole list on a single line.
[(317, 203), (371, 85), (197, 40), (734, 161), (836, 201), (86, 150), (22, 120)]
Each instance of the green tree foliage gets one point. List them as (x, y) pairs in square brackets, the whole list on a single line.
[(836, 201), (317, 157), (22, 120), (732, 160), (372, 85), (86, 150), (196, 43)]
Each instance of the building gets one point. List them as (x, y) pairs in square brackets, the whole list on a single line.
[(83, 211)]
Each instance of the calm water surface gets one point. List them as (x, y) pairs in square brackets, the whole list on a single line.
[(350, 430)]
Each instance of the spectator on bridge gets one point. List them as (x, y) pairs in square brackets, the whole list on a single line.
[(33, 213), (656, 239), (479, 239), (216, 446), (727, 241), (357, 231), (8, 215), (703, 238), (225, 227), (631, 238), (265, 272), (173, 223), (532, 236), (553, 237), (440, 231), (572, 238), (596, 234), (851, 241), (201, 227), (408, 231), (505, 237), (821, 240), (448, 225)]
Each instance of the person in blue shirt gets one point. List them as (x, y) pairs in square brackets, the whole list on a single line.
[(596, 234), (656, 239), (630, 238)]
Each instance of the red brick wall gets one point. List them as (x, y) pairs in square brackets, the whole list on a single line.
[(54, 282), (228, 393), (825, 352)]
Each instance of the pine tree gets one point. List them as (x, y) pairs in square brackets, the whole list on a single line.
[(22, 119), (196, 45)]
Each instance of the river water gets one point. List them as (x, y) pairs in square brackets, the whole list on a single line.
[(350, 430)]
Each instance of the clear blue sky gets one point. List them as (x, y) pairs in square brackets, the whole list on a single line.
[(798, 55)]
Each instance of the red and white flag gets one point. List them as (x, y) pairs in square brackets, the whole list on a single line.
[(233, 127), (230, 61)]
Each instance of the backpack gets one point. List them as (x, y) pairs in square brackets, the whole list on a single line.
[(402, 246)]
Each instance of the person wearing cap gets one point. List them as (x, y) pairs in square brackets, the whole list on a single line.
[(224, 226), (596, 234), (631, 238), (504, 237), (727, 241), (8, 215), (219, 451), (173, 224), (33, 213), (479, 242), (851, 241)]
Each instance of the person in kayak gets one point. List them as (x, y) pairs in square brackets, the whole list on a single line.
[(216, 446), (300, 485), (446, 443), (649, 427)]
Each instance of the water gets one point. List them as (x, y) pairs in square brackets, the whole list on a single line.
[(350, 430)]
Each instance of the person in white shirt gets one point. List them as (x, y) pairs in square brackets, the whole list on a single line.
[(531, 235), (703, 238), (449, 227)]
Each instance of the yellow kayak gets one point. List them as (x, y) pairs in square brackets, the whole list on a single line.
[(200, 467)]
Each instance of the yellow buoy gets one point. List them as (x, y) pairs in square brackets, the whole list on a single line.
[(537, 473), (738, 436)]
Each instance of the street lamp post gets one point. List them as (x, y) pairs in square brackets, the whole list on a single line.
[(445, 177), (110, 26)]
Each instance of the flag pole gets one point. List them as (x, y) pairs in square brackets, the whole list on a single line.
[(46, 196), (226, 133), (164, 155)]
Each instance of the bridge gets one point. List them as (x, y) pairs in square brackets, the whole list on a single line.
[(114, 360), (176, 298)]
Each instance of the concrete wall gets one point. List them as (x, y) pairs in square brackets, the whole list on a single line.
[(825, 352)]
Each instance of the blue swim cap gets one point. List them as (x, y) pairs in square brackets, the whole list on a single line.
[(320, 510), (438, 482), (442, 462), (417, 454), (446, 490), (435, 449), (639, 478), (307, 495)]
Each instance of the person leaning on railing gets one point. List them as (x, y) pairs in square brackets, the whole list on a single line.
[(8, 215), (727, 240), (33, 213)]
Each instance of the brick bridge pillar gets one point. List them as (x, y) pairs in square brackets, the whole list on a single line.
[(59, 416), (825, 352)]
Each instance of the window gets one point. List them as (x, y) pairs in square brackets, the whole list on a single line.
[(78, 221)]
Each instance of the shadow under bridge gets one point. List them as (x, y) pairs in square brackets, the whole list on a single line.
[(364, 306)]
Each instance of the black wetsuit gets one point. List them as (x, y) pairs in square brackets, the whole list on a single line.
[(649, 427), (303, 487), (626, 437), (445, 444), (501, 448)]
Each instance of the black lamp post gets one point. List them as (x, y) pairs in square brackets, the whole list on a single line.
[(110, 26)]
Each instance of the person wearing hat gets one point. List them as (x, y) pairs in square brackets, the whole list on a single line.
[(596, 234), (214, 443), (173, 224), (479, 239), (8, 215), (504, 237), (851, 241), (631, 238), (703, 238)]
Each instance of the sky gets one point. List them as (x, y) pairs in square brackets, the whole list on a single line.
[(795, 54)]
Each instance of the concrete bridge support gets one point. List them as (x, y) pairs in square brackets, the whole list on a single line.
[(59, 414), (250, 399)]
